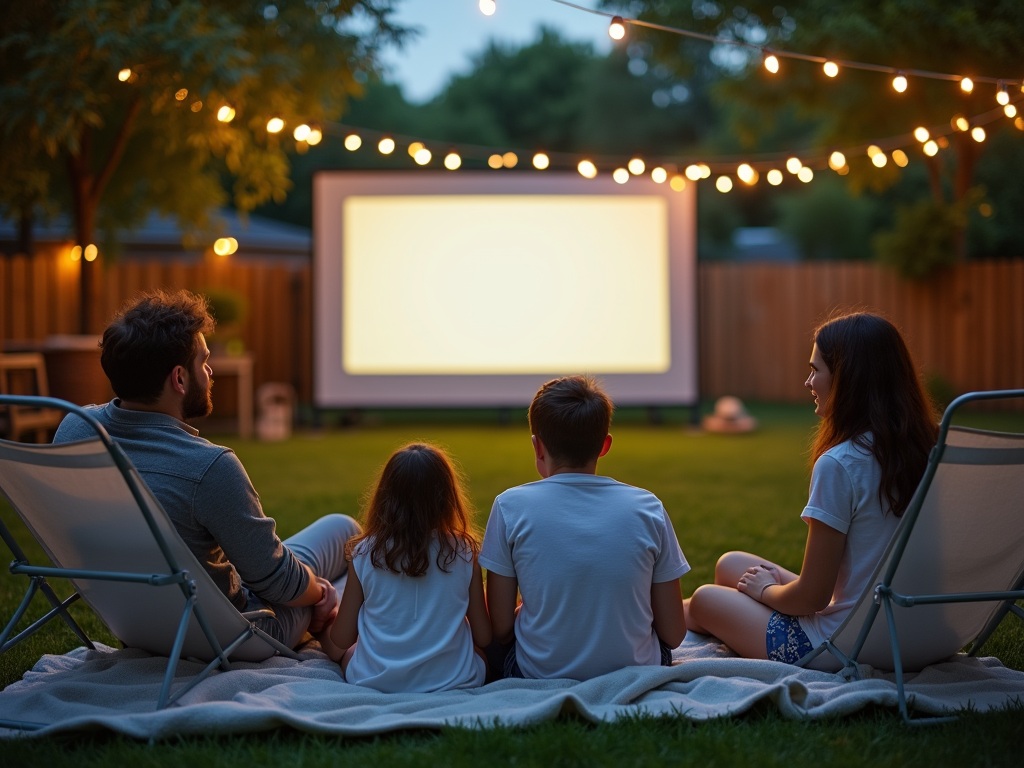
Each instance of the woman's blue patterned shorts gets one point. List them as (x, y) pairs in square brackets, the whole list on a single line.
[(785, 640)]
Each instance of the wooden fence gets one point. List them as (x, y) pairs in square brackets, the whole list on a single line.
[(966, 325)]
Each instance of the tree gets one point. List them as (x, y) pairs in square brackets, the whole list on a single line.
[(970, 37), (147, 104)]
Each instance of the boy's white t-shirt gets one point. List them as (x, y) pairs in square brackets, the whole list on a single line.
[(413, 632), (844, 495), (585, 550)]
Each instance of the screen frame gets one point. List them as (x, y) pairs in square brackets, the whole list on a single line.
[(335, 388)]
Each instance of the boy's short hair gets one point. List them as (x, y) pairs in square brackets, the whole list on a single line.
[(571, 416), (151, 335)]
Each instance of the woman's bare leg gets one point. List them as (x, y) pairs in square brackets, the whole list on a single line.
[(737, 620), (732, 565)]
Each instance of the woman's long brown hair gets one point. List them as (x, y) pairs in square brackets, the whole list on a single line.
[(876, 389), (419, 494)]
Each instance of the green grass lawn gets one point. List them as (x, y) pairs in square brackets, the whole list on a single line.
[(743, 492)]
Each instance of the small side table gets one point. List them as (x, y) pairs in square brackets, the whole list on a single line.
[(239, 366)]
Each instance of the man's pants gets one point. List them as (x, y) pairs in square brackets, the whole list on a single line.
[(321, 546)]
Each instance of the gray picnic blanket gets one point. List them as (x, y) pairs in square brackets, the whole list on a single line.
[(116, 690)]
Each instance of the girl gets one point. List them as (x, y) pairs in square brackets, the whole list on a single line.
[(870, 451), (414, 581)]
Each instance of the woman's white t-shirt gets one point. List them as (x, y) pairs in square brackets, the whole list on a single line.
[(844, 495), (413, 632)]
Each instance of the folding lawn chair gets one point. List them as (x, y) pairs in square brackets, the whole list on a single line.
[(102, 528), (955, 565)]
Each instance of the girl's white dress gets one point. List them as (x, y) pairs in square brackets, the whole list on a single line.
[(413, 632)]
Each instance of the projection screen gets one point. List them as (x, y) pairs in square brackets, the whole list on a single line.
[(473, 288)]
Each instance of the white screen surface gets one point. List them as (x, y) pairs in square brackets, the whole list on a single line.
[(473, 288), (460, 284)]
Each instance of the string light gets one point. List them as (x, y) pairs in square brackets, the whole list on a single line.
[(931, 148), (181, 94), (353, 142), (76, 253), (225, 246), (693, 172), (452, 161), (315, 136), (617, 29), (978, 134), (225, 114), (771, 63), (386, 145), (274, 125), (301, 132), (966, 85), (1002, 96), (636, 166), (774, 177), (488, 7), (747, 174), (879, 159), (1010, 111), (899, 82), (874, 150), (541, 161), (587, 169), (831, 68), (659, 175), (422, 156), (91, 252), (196, 106), (123, 75), (678, 183), (509, 159), (415, 147), (900, 158), (495, 162), (705, 170), (921, 134), (723, 184), (836, 160), (960, 123), (805, 175), (621, 175), (793, 165)]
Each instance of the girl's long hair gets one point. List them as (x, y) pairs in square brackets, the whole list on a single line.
[(419, 495), (876, 389)]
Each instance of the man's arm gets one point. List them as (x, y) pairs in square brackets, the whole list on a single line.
[(669, 619)]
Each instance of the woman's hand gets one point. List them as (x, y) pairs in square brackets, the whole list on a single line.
[(755, 579)]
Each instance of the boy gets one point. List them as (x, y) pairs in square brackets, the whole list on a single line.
[(596, 561)]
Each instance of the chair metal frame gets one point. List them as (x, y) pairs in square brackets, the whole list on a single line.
[(884, 596), (175, 575)]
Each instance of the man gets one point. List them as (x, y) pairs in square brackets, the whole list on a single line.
[(154, 353)]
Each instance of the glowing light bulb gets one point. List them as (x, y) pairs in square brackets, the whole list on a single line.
[(301, 132), (774, 177), (452, 161), (879, 159), (221, 246), (658, 175), (771, 63), (874, 150), (274, 125), (617, 29), (967, 85), (91, 252), (636, 166), (805, 174), (386, 145), (693, 172), (831, 68), (488, 7), (494, 161), (931, 148), (353, 142), (921, 134), (315, 137), (900, 82), (415, 147), (181, 94), (621, 175), (1002, 96), (76, 253), (793, 165), (678, 183), (196, 106), (836, 160), (587, 169), (723, 184), (422, 157), (1010, 111), (705, 171), (509, 159), (225, 114), (978, 134), (900, 158), (541, 161), (123, 75), (746, 174)]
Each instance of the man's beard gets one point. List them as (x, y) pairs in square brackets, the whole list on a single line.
[(197, 402)]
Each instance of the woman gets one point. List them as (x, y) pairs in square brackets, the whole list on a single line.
[(870, 451)]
